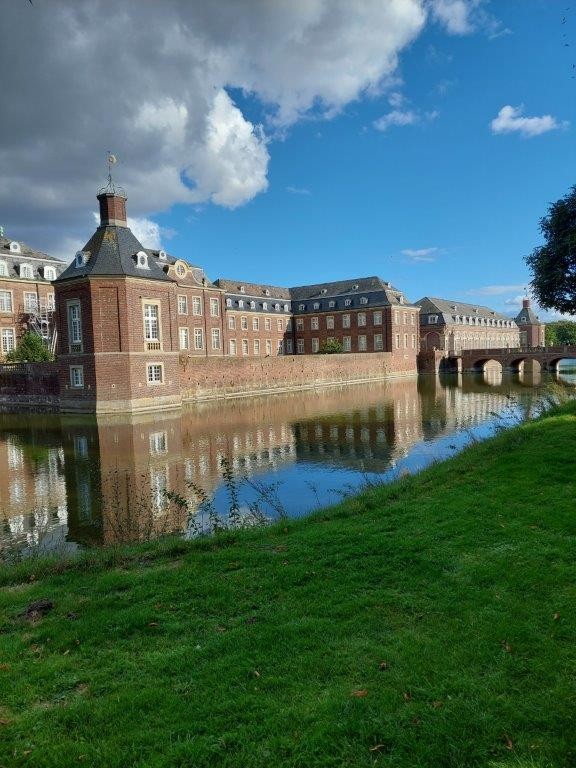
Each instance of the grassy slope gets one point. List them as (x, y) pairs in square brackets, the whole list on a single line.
[(248, 651)]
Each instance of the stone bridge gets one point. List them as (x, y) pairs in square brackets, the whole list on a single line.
[(510, 359)]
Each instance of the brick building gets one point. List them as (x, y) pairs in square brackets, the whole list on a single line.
[(26, 294), (453, 326), (532, 330), (134, 322)]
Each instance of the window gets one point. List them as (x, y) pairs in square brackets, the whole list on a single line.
[(255, 323), (264, 305), (142, 260), (268, 346), (49, 273), (3, 269), (397, 341), (413, 341), (280, 346), (81, 259), (77, 376), (50, 302), (432, 319), (314, 324), (345, 321), (15, 247), (231, 322), (244, 323), (277, 307), (280, 325), (74, 327), (267, 324), (26, 271), (315, 345), (244, 346), (199, 337), (228, 302), (286, 307), (299, 324), (266, 292), (316, 305), (151, 323), (215, 338), (155, 373), (347, 343), (182, 305), (232, 346), (184, 338), (331, 304), (301, 307), (300, 346), (289, 347), (196, 305), (405, 341), (288, 324), (162, 255), (8, 340), (252, 305), (412, 318), (377, 318), (5, 301), (242, 289), (397, 318), (378, 345), (30, 302), (347, 302), (180, 270), (330, 322), (361, 318), (363, 300), (405, 318), (241, 303), (214, 308), (256, 346), (361, 343)]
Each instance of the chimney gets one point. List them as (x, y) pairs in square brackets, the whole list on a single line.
[(112, 209), (525, 303)]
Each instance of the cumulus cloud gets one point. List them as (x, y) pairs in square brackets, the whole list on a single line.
[(156, 83), (462, 17), (421, 254), (400, 118), (146, 231), (511, 120)]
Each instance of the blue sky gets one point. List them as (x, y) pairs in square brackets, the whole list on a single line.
[(346, 199), (298, 141)]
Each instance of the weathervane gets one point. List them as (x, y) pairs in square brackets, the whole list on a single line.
[(111, 188)]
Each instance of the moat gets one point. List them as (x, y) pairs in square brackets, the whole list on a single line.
[(70, 482)]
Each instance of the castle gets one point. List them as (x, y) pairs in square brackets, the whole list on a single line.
[(139, 329)]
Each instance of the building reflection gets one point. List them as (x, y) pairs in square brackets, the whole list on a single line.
[(87, 481)]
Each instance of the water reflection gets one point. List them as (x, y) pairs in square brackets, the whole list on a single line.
[(82, 481)]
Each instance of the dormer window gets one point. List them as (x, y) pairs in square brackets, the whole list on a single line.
[(355, 287), (267, 292), (302, 307), (27, 271), (286, 307), (264, 305), (240, 303), (252, 305), (331, 304), (3, 269), (363, 300), (49, 273), (228, 302), (142, 260), (324, 290), (15, 247), (180, 269), (316, 305), (400, 299), (432, 319), (81, 258), (162, 255), (347, 302), (242, 289), (277, 307)]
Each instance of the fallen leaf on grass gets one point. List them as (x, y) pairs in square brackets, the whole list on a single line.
[(508, 742), (220, 629), (377, 748), (384, 665), (5, 721), (360, 694), (506, 646), (556, 616), (437, 704), (407, 696), (152, 623), (5, 666)]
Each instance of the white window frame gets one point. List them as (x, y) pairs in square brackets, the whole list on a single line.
[(361, 319), (330, 322), (30, 301), (231, 322), (362, 343), (280, 325), (197, 306), (268, 347), (289, 347), (255, 323), (256, 347), (315, 345), (3, 268), (377, 318), (345, 321), (244, 323), (232, 348), (74, 318), (378, 342), (182, 304), (49, 273), (214, 308), (6, 302), (347, 343), (199, 338), (184, 338), (7, 340), (216, 339), (245, 348), (77, 376), (28, 269), (300, 346), (432, 319), (314, 323), (267, 324), (152, 370), (152, 324), (299, 323)]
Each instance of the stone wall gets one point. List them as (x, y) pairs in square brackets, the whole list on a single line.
[(207, 379), (29, 385)]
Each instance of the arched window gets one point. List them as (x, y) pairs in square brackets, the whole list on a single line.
[(3, 269), (81, 259), (162, 255), (252, 305), (264, 305), (27, 271), (142, 260), (15, 247), (49, 273)]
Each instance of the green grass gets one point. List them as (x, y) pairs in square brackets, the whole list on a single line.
[(426, 623)]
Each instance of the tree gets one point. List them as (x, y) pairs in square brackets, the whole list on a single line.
[(30, 349), (553, 265), (560, 333), (331, 347)]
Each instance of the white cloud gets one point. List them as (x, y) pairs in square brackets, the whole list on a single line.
[(146, 231), (494, 290), (421, 254), (455, 15), (396, 99), (511, 120), (396, 118), (298, 191)]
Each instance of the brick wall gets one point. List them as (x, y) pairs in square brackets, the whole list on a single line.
[(206, 379)]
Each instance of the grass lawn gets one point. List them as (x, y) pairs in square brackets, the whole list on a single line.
[(427, 623)]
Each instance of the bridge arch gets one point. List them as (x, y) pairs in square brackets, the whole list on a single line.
[(553, 362), (480, 364)]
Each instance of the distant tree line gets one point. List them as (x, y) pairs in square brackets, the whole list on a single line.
[(560, 332)]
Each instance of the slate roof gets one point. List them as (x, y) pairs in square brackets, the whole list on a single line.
[(526, 316), (112, 250), (255, 290), (14, 259), (448, 309), (341, 287), (25, 252)]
